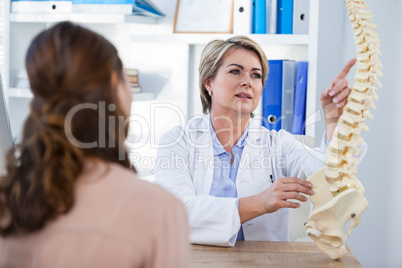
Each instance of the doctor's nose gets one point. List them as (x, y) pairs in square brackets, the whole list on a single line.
[(245, 82)]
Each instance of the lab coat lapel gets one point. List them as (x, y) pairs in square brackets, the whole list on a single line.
[(203, 158), (253, 149)]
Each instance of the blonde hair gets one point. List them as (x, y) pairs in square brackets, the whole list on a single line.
[(212, 57)]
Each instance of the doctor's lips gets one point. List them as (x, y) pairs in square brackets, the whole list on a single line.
[(243, 95)]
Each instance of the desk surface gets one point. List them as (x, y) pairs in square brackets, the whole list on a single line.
[(267, 254)]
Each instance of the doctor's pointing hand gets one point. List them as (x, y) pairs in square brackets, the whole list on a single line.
[(240, 176)]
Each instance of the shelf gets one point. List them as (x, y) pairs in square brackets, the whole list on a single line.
[(15, 92), (81, 17), (143, 96), (262, 39)]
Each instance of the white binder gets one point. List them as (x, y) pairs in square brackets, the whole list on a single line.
[(301, 16), (41, 6), (271, 16), (289, 73), (242, 16)]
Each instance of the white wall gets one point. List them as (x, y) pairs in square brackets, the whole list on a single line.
[(330, 50), (394, 256), (376, 241)]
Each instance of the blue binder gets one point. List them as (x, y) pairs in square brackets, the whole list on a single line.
[(299, 110), (260, 17), (285, 17), (146, 6), (272, 96)]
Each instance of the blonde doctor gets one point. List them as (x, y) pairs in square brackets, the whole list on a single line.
[(234, 176)]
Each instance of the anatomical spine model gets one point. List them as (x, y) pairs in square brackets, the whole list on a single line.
[(338, 196)]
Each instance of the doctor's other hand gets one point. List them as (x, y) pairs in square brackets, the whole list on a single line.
[(335, 97), (274, 197), (277, 195)]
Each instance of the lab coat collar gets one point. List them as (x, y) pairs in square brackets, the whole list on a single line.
[(199, 133), (256, 131), (200, 129)]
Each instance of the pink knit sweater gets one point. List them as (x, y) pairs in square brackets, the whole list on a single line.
[(118, 220)]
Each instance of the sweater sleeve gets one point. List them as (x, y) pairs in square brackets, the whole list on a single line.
[(171, 244)]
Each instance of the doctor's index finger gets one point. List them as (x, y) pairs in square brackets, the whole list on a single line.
[(346, 69), (297, 180)]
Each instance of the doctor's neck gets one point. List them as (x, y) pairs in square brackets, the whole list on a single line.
[(229, 128)]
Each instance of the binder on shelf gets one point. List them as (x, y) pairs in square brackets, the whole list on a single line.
[(285, 17), (242, 16), (260, 17), (133, 81), (271, 16), (289, 73), (103, 6), (299, 110), (301, 15), (42, 6), (272, 96), (146, 7), (131, 72), (135, 87)]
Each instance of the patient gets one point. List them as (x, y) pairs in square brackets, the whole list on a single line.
[(70, 198)]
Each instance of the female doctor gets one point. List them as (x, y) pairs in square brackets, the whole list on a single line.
[(235, 177)]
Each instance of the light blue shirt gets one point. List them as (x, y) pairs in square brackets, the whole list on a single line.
[(224, 178)]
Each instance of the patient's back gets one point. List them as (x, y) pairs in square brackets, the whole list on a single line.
[(118, 220)]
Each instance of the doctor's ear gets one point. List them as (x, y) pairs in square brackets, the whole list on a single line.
[(207, 84)]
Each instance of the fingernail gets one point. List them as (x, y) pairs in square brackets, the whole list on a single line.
[(331, 93), (335, 100), (305, 198), (310, 184), (338, 105), (311, 192)]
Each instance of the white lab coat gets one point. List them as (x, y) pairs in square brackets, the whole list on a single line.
[(184, 166)]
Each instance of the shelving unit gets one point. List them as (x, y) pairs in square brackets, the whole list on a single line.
[(190, 44), (15, 92), (194, 39), (80, 18)]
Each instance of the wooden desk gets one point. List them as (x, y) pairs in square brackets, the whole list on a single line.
[(267, 254)]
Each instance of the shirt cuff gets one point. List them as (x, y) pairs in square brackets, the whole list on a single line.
[(325, 139)]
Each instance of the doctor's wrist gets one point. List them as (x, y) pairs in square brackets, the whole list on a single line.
[(250, 207)]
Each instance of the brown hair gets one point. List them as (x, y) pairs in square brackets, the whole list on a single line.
[(212, 57), (67, 66)]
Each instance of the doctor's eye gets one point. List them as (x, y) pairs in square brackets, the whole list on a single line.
[(234, 71), (257, 75)]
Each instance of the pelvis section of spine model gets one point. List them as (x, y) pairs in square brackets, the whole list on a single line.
[(338, 197)]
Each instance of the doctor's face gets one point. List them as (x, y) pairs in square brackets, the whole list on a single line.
[(237, 87)]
